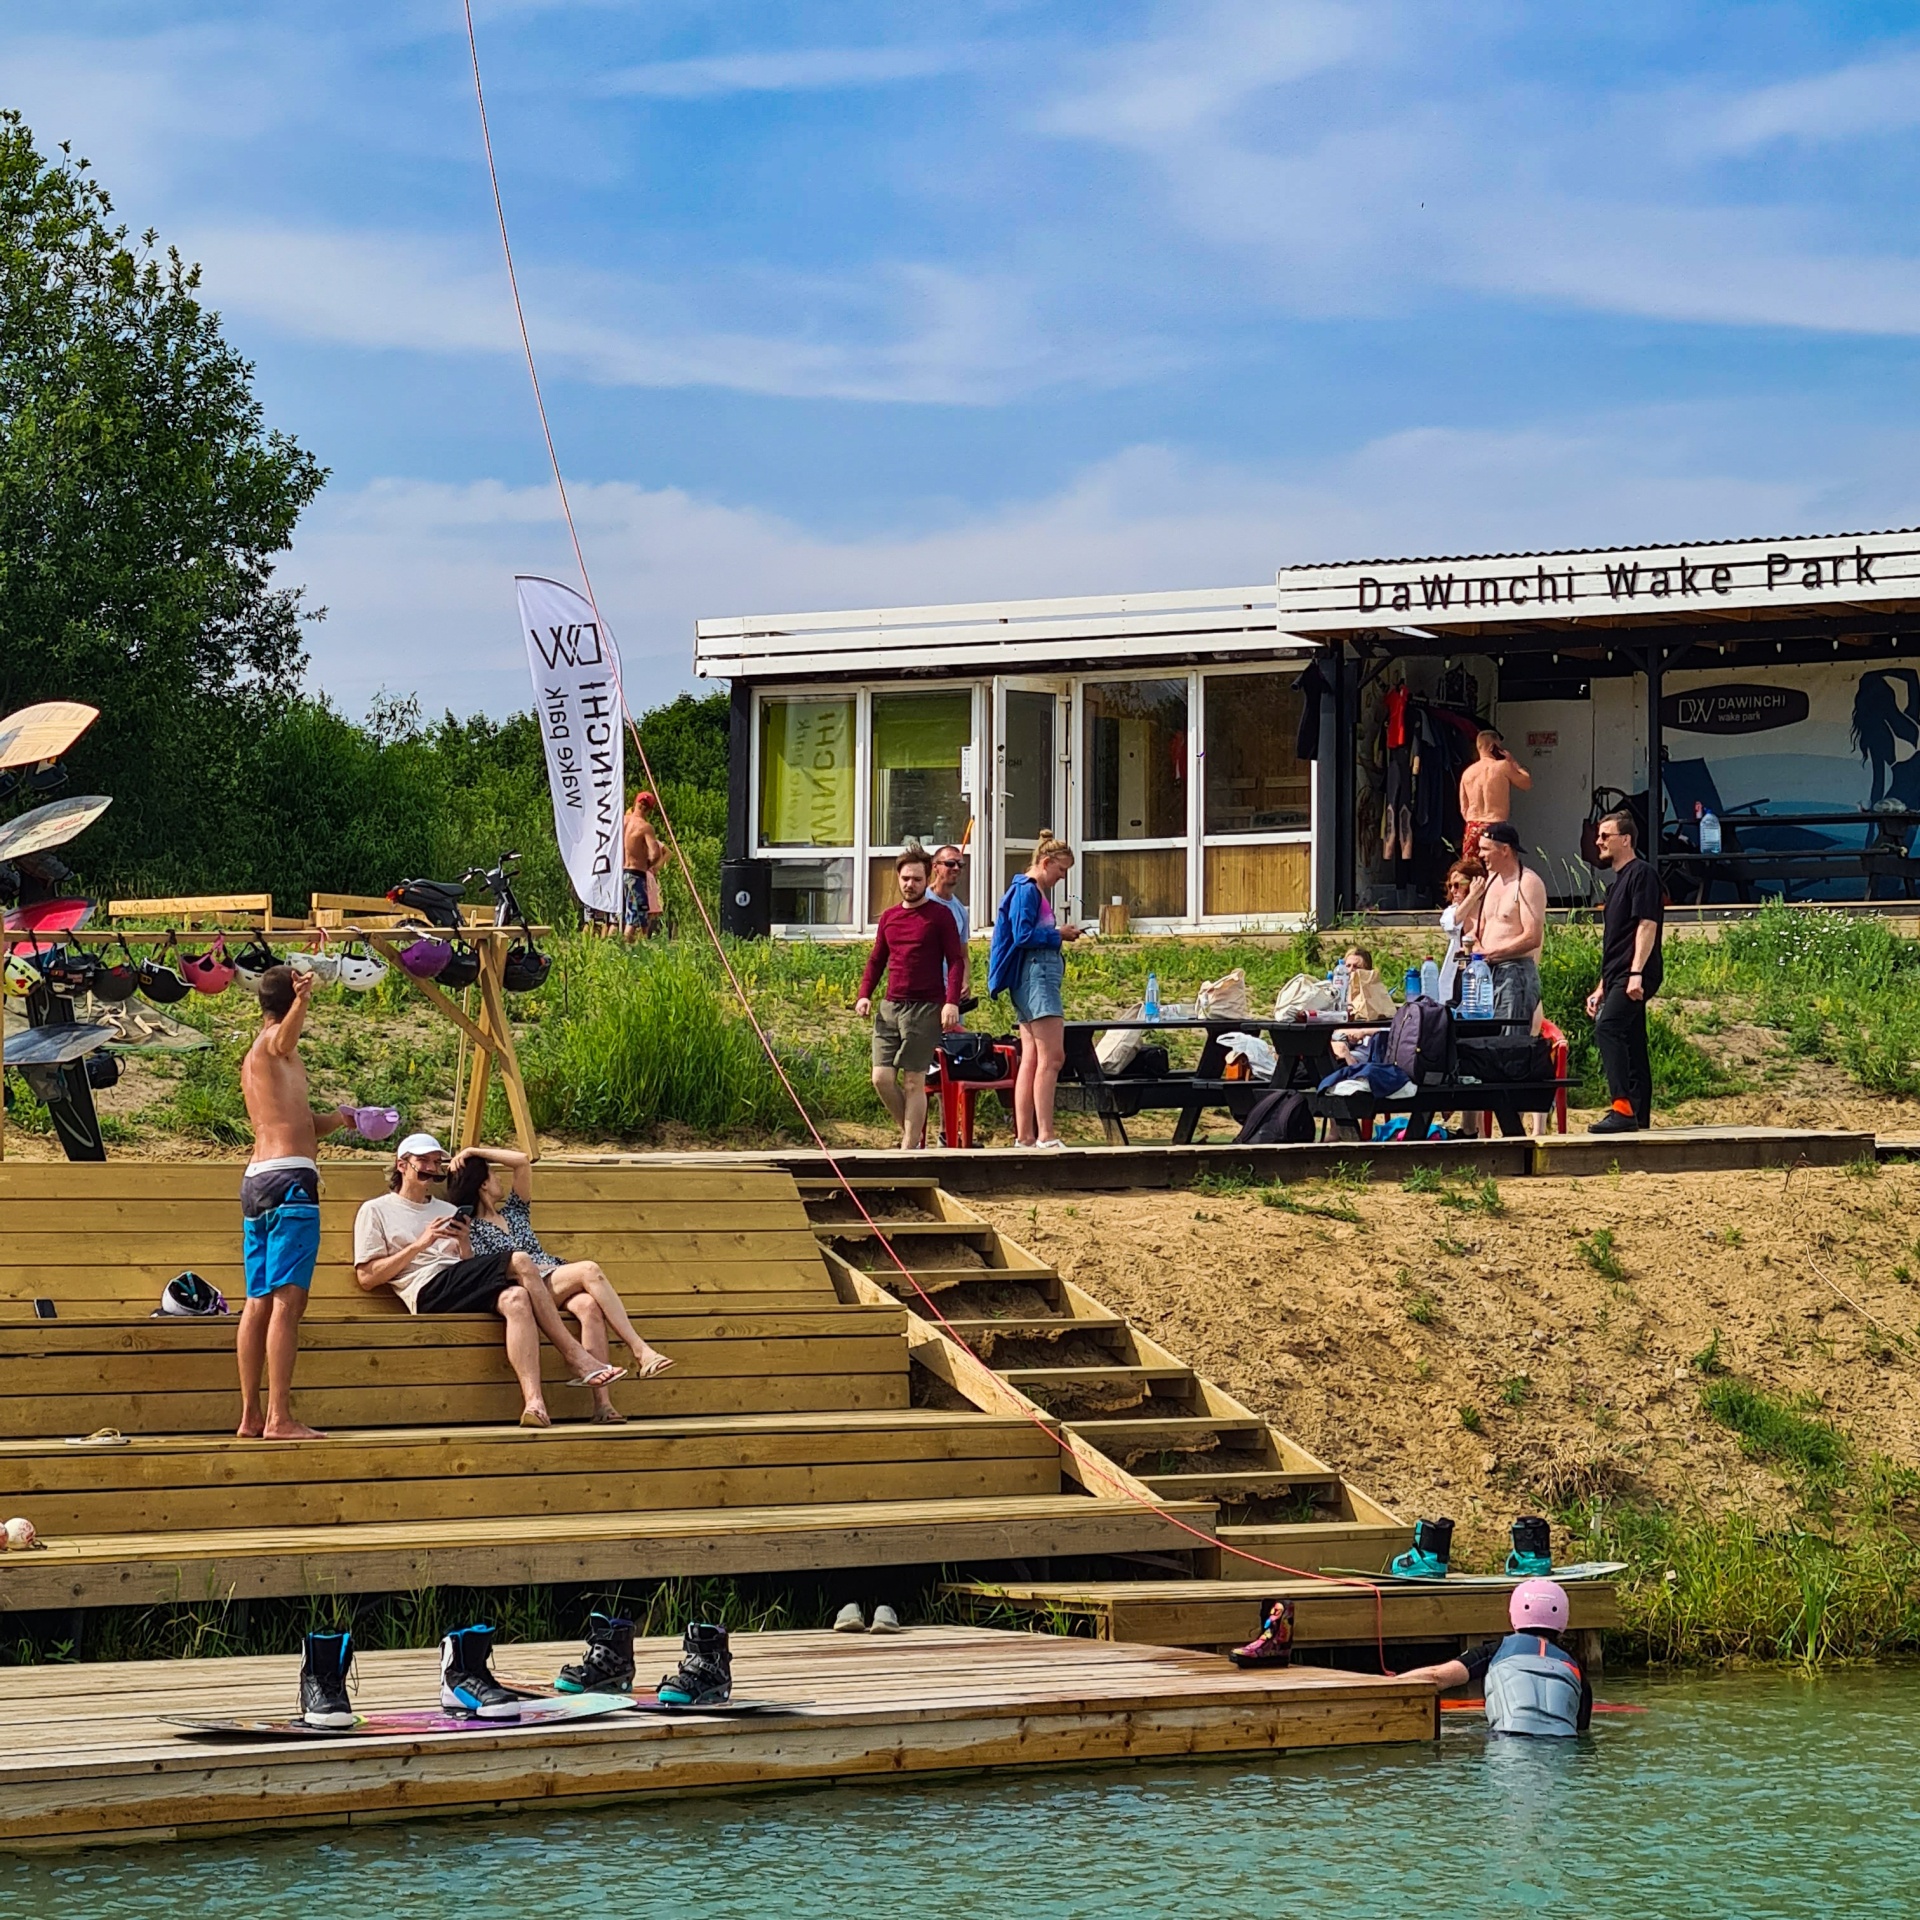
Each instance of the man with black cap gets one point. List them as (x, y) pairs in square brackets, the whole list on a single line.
[(1506, 918)]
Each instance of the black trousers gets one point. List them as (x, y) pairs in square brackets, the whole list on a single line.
[(1620, 1032)]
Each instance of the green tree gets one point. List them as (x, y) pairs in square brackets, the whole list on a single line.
[(142, 502)]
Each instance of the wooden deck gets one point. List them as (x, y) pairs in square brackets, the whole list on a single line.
[(79, 1767), (1227, 1613)]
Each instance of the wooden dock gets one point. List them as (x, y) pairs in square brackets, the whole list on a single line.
[(1227, 1613), (80, 1766)]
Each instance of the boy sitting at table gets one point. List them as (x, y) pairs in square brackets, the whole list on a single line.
[(1367, 999)]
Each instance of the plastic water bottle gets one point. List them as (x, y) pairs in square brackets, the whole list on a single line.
[(1479, 994), (1413, 983), (1340, 983), (1430, 979), (1709, 832), (1151, 1010)]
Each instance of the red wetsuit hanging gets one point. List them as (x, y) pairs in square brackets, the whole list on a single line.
[(1397, 698)]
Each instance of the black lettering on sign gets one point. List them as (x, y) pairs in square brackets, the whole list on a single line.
[(1733, 708)]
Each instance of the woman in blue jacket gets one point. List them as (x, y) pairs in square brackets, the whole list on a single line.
[(1026, 964)]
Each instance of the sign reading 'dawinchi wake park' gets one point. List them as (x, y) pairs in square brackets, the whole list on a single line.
[(1733, 708), (1865, 569)]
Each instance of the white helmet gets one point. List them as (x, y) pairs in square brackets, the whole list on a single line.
[(324, 966), (360, 970)]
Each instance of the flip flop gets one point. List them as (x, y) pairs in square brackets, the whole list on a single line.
[(531, 1417), (599, 1377), (652, 1369), (99, 1437), (608, 1417)]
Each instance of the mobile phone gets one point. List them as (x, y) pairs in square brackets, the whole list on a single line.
[(45, 1310)]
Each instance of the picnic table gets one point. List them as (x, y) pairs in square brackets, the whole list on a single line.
[(1883, 853), (1304, 1047)]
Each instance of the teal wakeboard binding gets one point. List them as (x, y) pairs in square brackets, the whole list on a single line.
[(1532, 1555), (1428, 1557), (705, 1676)]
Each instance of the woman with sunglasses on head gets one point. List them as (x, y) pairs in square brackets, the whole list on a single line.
[(496, 1185)]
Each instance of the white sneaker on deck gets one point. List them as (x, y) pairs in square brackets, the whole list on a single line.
[(885, 1620), (850, 1619)]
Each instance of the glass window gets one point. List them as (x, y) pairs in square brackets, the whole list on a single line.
[(1251, 780), (1135, 749), (1151, 883), (806, 773), (812, 893), (919, 740)]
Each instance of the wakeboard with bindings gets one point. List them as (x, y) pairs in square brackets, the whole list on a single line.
[(1579, 1570), (55, 1046), (546, 1710), (51, 826), (44, 732)]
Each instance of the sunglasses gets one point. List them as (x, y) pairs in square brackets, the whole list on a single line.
[(954, 864)]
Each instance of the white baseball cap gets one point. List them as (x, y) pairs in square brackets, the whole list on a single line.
[(416, 1144)]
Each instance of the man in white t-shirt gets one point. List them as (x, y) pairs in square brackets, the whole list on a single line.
[(417, 1245)]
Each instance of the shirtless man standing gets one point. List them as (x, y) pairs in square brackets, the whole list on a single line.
[(1505, 917), (1486, 790), (641, 859), (279, 1206)]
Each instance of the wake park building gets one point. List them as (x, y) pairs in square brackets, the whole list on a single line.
[(1233, 759)]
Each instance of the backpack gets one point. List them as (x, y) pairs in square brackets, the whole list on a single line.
[(1420, 1041), (1277, 1119), (971, 1057), (1511, 1060)]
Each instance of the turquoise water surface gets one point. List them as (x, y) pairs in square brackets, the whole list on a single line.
[(1740, 1796)]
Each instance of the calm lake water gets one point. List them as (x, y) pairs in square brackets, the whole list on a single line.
[(1745, 1796)]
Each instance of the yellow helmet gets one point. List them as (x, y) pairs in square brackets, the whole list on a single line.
[(21, 976)]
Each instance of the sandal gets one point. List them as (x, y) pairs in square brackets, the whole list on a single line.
[(602, 1376), (608, 1417), (653, 1367), (535, 1417), (99, 1437)]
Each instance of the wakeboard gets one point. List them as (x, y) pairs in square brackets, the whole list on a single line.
[(43, 732), (652, 1703), (51, 826), (1579, 1570), (410, 1723), (55, 1046), (48, 917)]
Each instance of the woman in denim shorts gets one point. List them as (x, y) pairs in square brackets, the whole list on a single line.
[(1026, 963)]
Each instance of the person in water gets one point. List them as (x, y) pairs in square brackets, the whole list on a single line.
[(1533, 1684)]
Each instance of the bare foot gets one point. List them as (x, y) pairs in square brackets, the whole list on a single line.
[(251, 1427), (535, 1415), (290, 1430)]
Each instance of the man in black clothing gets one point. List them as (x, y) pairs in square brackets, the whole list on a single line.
[(1629, 977)]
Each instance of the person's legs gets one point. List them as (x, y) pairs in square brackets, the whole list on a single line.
[(250, 1341), (546, 1314), (593, 1336), (1640, 1063), (283, 1347), (587, 1276), (886, 1083), (913, 1110), (1023, 1075), (1620, 1034), (280, 1243), (515, 1307), (1050, 1049)]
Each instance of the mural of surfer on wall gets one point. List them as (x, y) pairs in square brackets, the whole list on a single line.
[(1886, 718)]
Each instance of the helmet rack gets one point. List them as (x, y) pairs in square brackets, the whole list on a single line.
[(482, 1023)]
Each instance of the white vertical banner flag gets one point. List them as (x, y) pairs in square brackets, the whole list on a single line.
[(576, 699)]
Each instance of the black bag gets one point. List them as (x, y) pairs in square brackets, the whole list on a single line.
[(1278, 1119), (1512, 1060), (971, 1056), (1150, 1063)]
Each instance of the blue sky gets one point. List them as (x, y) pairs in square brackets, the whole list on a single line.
[(849, 304)]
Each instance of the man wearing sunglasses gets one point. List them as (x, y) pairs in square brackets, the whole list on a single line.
[(948, 864), (1630, 972)]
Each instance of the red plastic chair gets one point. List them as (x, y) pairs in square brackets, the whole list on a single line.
[(959, 1098)]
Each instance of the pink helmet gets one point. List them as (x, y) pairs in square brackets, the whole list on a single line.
[(209, 972), (1538, 1605)]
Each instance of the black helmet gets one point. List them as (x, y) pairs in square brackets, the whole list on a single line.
[(159, 982), (70, 971), (120, 981), (462, 970), (526, 968)]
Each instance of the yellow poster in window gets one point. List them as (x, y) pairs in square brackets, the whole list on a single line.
[(806, 773)]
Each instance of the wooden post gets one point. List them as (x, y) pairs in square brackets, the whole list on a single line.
[(494, 1018)]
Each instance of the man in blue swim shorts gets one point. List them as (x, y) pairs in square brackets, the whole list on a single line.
[(279, 1206)]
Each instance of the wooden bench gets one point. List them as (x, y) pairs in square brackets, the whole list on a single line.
[(1506, 1101)]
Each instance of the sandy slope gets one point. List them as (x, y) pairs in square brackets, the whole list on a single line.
[(1308, 1321)]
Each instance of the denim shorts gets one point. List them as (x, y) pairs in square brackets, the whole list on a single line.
[(1037, 985)]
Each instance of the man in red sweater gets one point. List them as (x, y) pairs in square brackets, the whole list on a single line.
[(919, 945)]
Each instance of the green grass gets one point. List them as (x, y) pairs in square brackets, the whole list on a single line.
[(1709, 1360), (1597, 1251), (1342, 1210), (1516, 1391), (1423, 1309), (1471, 1420), (1774, 1430)]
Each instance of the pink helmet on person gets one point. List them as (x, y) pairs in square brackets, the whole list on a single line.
[(1538, 1605)]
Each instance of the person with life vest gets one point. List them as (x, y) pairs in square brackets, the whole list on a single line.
[(1533, 1684)]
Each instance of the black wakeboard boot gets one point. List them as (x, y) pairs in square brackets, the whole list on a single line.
[(705, 1677), (1532, 1555), (467, 1684), (607, 1665), (323, 1680), (1431, 1553)]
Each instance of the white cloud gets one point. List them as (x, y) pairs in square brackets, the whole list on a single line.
[(418, 576), (1871, 96), (799, 70)]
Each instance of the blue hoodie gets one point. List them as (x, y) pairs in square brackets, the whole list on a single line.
[(1017, 929)]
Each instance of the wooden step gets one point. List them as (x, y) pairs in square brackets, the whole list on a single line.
[(1037, 1326), (507, 1473), (1254, 1484), (1171, 1435), (1028, 1378), (149, 1568)]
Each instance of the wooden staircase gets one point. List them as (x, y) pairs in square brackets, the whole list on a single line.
[(785, 1437), (1016, 1335)]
